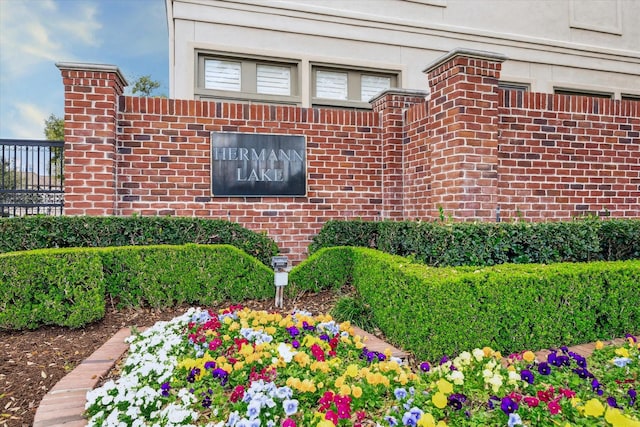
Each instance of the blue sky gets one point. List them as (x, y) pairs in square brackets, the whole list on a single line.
[(35, 34)]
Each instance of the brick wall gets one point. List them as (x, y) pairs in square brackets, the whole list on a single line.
[(469, 150), (563, 156)]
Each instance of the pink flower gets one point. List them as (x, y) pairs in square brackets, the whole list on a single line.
[(289, 423)]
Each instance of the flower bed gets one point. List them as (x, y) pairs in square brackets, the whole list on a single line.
[(243, 368)]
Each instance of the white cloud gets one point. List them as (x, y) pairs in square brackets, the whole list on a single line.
[(37, 32), (26, 121)]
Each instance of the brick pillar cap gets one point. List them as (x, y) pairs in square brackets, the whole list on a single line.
[(85, 66), (470, 53), (399, 91)]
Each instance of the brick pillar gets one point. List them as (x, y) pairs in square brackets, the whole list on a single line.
[(91, 93), (464, 133), (392, 105)]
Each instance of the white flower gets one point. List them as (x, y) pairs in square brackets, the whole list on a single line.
[(514, 378), (286, 352), (496, 382), (478, 354), (456, 377)]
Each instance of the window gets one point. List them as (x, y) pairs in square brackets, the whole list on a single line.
[(630, 97), (578, 92), (521, 87), (254, 78), (349, 87)]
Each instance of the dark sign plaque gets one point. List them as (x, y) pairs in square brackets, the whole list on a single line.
[(247, 164)]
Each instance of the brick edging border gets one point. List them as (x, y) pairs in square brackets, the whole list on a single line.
[(64, 404)]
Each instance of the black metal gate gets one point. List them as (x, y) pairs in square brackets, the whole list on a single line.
[(31, 177)]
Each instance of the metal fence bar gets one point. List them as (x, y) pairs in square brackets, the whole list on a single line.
[(31, 177)]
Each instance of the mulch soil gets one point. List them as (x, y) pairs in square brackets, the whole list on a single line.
[(32, 362)]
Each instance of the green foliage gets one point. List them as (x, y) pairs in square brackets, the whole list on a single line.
[(54, 129), (145, 86), (67, 287), (326, 269), (346, 233), (163, 276), (354, 310), (484, 244), (50, 287), (26, 233), (435, 311)]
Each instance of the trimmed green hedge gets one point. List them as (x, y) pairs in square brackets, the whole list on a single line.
[(50, 287), (435, 311), (68, 287), (452, 244), (40, 232)]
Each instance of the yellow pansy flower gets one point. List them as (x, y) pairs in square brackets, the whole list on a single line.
[(325, 423), (345, 390), (320, 366), (593, 408), (339, 382), (352, 371), (622, 352), (270, 330), (488, 351), (529, 356), (444, 386), (439, 399), (599, 345), (238, 366), (302, 359), (426, 420), (616, 418), (356, 391)]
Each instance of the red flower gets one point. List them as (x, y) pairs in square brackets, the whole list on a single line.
[(546, 396), (325, 401), (360, 415), (531, 401), (215, 344), (515, 396), (289, 423), (342, 400), (334, 343), (344, 411), (332, 416), (237, 393), (567, 393), (317, 352), (553, 406)]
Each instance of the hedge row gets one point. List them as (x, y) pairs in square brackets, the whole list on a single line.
[(435, 311), (69, 287), (39, 232), (452, 244)]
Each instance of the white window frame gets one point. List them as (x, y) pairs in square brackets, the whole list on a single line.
[(248, 80)]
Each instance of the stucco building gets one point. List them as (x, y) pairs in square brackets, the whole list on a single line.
[(343, 52)]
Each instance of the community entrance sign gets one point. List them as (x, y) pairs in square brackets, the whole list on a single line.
[(244, 164)]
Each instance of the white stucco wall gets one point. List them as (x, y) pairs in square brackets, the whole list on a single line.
[(582, 44)]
